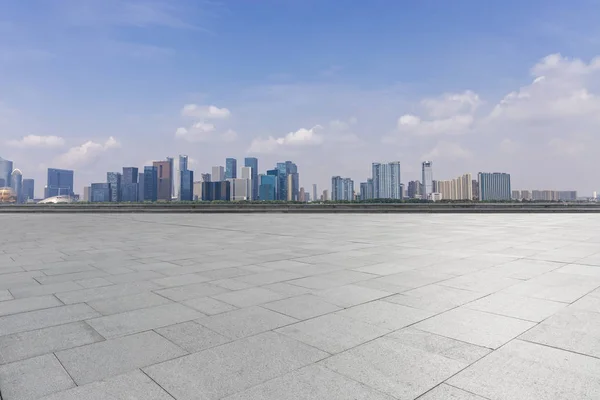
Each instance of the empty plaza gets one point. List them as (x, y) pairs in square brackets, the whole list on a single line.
[(304, 306)]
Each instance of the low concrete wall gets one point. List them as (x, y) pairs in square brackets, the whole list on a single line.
[(306, 208)]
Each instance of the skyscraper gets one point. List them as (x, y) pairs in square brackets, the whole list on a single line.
[(141, 192), (230, 168), (252, 162), (386, 180), (427, 179), (218, 174), (17, 184), (59, 183), (100, 192), (214, 191), (114, 180), (181, 169), (171, 176), (6, 169), (130, 185), (186, 191), (164, 173), (268, 186), (494, 186), (281, 181), (28, 189), (366, 190), (395, 182), (314, 192), (415, 188), (150, 183), (342, 189), (182, 165)]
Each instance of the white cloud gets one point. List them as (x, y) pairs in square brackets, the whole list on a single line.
[(453, 125), (204, 132), (302, 137), (451, 104), (205, 112), (565, 147), (447, 151), (37, 141), (509, 146), (86, 153)]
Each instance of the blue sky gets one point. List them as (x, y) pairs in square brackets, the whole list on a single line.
[(324, 83)]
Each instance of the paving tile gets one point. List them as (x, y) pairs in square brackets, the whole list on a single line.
[(93, 282), (527, 308), (231, 368), (302, 307), (589, 303), (436, 298), (47, 280), (584, 270), (33, 378), (20, 346), (231, 284), (388, 364), (331, 279), (245, 322), (527, 269), (287, 289), (19, 279), (193, 291), (249, 297), (41, 290), (386, 315), (28, 304), (447, 392), (310, 383), (180, 280), (268, 277), (413, 279), (135, 321), (113, 357), (105, 292), (5, 295), (350, 295), (332, 332), (208, 305), (571, 329), (485, 282), (556, 286), (134, 277), (123, 304), (32, 320), (479, 328), (192, 337), (522, 370), (134, 385)]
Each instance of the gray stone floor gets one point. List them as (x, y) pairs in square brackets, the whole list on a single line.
[(271, 307)]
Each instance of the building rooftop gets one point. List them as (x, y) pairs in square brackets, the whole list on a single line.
[(275, 306)]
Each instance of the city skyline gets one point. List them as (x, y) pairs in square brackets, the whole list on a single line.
[(476, 87)]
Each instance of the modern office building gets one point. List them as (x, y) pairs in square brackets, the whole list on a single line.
[(426, 179), (275, 173), (494, 186), (268, 186), (475, 186), (414, 190), (198, 186), (215, 191), (314, 192), (289, 181), (230, 168), (325, 195), (87, 193), (114, 179), (186, 191), (182, 165), (242, 189), (140, 186), (100, 192), (130, 185), (290, 184), (342, 189), (248, 173), (386, 181), (59, 183), (164, 174), (366, 190), (218, 174), (17, 184), (28, 189), (6, 169), (252, 162), (171, 176), (150, 183)]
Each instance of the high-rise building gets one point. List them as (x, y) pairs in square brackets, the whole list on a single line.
[(248, 173), (59, 183), (28, 189), (141, 182), (366, 190), (17, 184), (290, 185), (427, 179), (516, 195), (182, 165), (342, 189), (325, 195), (252, 162), (130, 185), (171, 175), (268, 186), (100, 192), (242, 189), (114, 179), (230, 168), (314, 192), (164, 174), (494, 186), (414, 189), (6, 169), (87, 193), (475, 186), (276, 186), (198, 186), (150, 183), (214, 191), (186, 191), (218, 174), (386, 180), (460, 188)]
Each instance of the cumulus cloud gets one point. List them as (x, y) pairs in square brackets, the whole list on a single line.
[(302, 137), (37, 141), (86, 153), (447, 151), (451, 104), (205, 112)]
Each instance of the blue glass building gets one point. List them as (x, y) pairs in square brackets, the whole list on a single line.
[(186, 191), (150, 183), (252, 162), (268, 186), (230, 168), (59, 183), (100, 192)]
